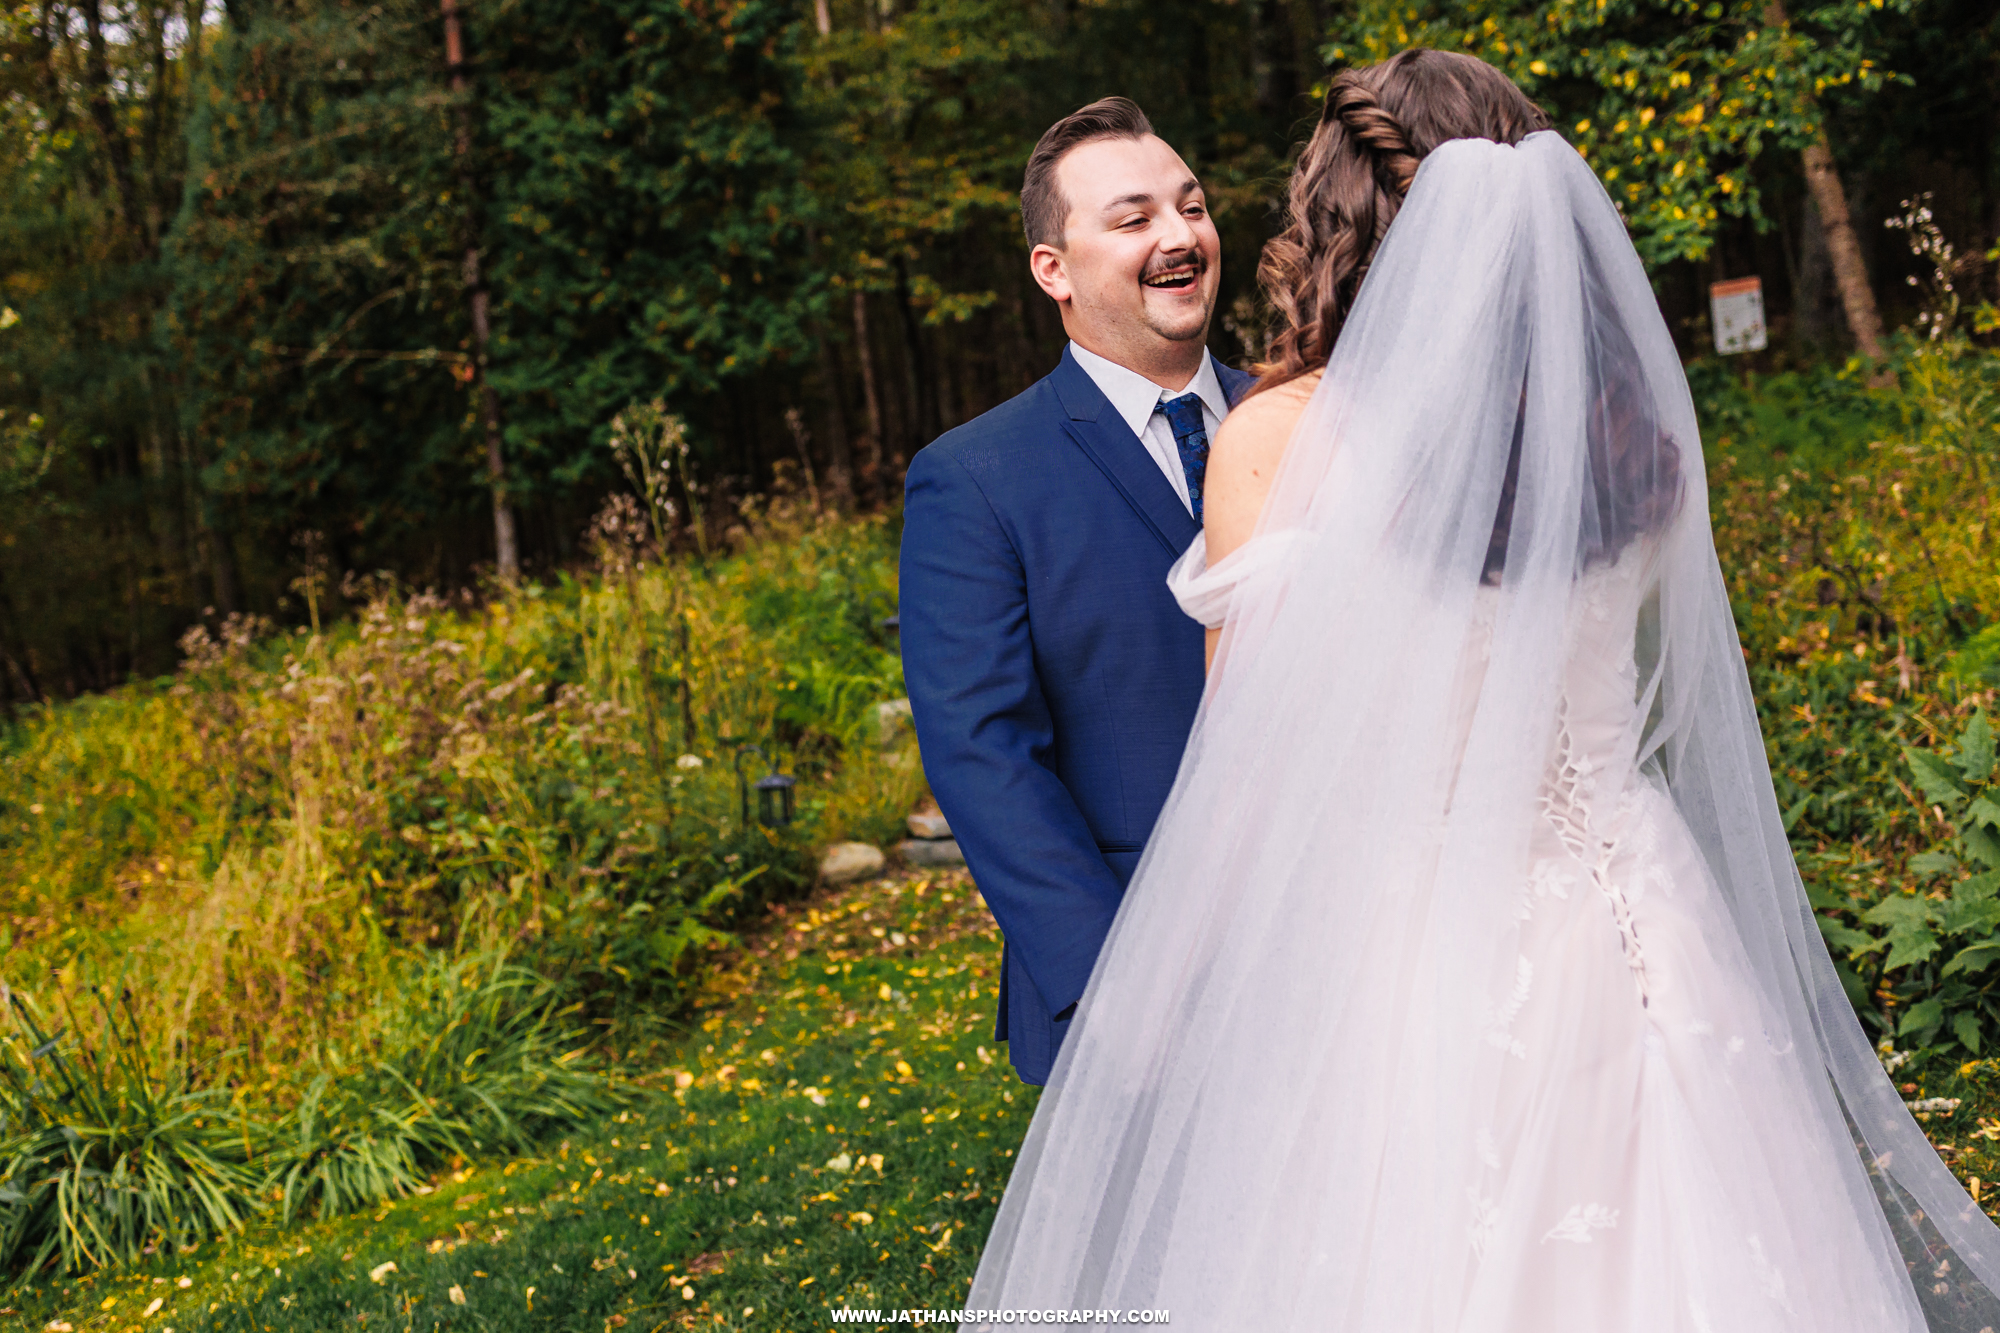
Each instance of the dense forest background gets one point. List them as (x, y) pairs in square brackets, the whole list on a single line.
[(297, 286)]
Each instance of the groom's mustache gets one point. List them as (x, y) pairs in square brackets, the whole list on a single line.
[(1175, 274)]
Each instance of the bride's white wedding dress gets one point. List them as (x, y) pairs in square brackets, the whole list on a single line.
[(1467, 984)]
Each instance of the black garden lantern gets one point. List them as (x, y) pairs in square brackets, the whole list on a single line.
[(775, 801)]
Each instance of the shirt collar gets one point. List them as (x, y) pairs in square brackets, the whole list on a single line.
[(1133, 396)]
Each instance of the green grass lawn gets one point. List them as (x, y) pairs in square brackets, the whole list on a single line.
[(834, 1130)]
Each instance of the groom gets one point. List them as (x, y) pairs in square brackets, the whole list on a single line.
[(1052, 676)]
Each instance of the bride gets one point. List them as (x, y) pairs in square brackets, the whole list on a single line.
[(1467, 983)]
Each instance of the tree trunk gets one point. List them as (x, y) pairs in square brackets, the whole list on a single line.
[(839, 453), (97, 77), (506, 550), (43, 44), (220, 554), (872, 456), (1263, 89), (922, 384), (1811, 308), (1842, 247), (160, 98)]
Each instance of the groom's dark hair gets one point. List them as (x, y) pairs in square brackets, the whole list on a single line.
[(1043, 208)]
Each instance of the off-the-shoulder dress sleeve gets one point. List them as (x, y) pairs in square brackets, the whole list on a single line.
[(1205, 591)]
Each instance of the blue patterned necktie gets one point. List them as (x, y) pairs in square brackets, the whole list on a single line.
[(1191, 439)]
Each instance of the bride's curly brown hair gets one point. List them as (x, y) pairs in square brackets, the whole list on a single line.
[(1377, 125)]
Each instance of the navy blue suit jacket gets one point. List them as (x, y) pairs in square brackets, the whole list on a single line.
[(1052, 676)]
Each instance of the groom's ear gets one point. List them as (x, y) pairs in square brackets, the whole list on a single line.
[(1050, 268)]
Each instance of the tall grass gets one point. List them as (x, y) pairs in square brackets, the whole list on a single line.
[(363, 889), (478, 1059), (103, 1156)]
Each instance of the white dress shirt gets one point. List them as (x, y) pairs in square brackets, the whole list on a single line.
[(1133, 397)]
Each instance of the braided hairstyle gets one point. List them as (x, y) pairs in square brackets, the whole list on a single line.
[(1376, 126)]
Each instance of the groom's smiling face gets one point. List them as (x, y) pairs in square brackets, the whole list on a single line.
[(1140, 261)]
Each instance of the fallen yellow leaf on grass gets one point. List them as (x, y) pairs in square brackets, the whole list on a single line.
[(154, 1308), (861, 1219), (457, 1294), (381, 1271)]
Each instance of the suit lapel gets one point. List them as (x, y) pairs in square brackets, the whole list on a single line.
[(1235, 383), (1103, 435)]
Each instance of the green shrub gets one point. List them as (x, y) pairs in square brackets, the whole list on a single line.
[(484, 1057), (376, 881), (103, 1156), (103, 1159), (1939, 935), (1855, 527)]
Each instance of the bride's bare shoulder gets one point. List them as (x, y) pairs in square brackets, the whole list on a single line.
[(1255, 432), (1245, 458)]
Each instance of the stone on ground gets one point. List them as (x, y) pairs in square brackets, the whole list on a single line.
[(928, 824), (846, 862), (931, 852), (893, 723)]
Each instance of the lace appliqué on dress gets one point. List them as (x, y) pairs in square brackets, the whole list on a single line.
[(1498, 1021), (1566, 802), (1548, 879), (1580, 1221), (1485, 1218)]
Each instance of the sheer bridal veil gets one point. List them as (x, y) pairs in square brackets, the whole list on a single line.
[(1345, 1048)]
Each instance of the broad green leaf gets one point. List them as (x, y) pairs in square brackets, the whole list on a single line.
[(1965, 1026), (1983, 811), (1974, 917), (1974, 958), (1909, 935), (1975, 749), (1979, 886), (1923, 1018), (1935, 778), (1933, 863), (1842, 940), (1983, 845), (1855, 988)]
